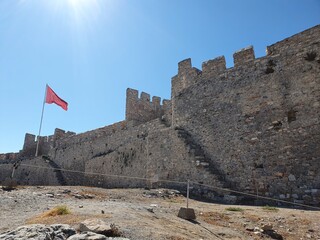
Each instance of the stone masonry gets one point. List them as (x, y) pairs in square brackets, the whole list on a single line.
[(253, 128)]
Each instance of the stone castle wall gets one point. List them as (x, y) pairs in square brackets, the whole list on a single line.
[(144, 151), (258, 121), (254, 128)]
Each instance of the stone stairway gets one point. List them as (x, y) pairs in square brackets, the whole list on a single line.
[(202, 161), (60, 178)]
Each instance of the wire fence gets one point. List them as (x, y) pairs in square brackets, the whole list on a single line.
[(176, 182)]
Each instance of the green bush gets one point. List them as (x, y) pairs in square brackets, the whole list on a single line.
[(268, 208), (235, 209)]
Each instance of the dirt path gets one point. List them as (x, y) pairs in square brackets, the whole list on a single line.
[(152, 214)]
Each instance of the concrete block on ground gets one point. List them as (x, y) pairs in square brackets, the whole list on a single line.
[(187, 213)]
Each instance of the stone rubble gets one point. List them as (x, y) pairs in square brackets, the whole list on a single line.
[(89, 230), (39, 231)]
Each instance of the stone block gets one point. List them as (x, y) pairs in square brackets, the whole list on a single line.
[(187, 213), (291, 178), (243, 55)]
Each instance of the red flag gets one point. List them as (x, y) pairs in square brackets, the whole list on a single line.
[(52, 97)]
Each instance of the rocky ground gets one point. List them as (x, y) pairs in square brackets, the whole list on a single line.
[(151, 214)]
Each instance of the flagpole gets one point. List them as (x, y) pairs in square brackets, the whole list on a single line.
[(38, 138)]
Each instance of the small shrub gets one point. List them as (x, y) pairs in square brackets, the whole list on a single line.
[(45, 157), (59, 210), (271, 63), (277, 125), (269, 70), (9, 184), (113, 232), (291, 116), (268, 208), (235, 209), (311, 56)]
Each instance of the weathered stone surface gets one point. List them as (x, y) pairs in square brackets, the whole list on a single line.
[(254, 127), (93, 236), (59, 232), (266, 226), (231, 199), (291, 178), (39, 231), (94, 225), (187, 213), (88, 236)]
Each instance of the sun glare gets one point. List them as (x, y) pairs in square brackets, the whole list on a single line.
[(76, 4), (82, 19), (84, 9), (79, 12)]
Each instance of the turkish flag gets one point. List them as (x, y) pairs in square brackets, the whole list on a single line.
[(52, 97)]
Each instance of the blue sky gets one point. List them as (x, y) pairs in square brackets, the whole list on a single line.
[(90, 51)]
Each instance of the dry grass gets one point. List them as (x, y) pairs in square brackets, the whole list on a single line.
[(252, 217), (63, 219), (61, 214), (9, 184), (94, 192), (214, 218), (300, 222), (58, 210)]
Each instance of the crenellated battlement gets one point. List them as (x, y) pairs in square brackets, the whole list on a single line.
[(8, 156), (142, 109), (211, 69), (45, 142), (244, 60)]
